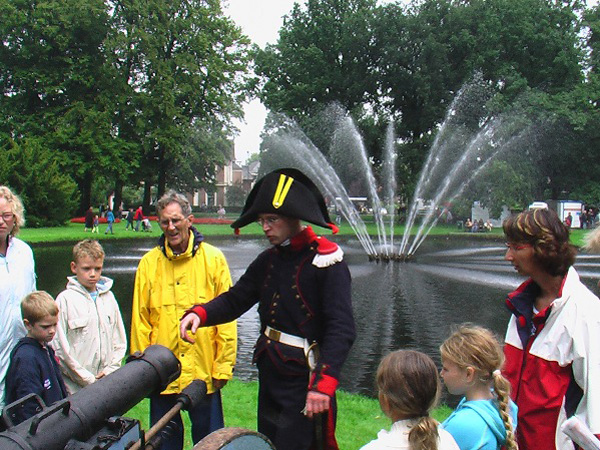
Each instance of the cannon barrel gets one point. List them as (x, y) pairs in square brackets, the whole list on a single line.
[(82, 414)]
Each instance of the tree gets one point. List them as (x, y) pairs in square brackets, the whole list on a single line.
[(324, 54), (189, 67), (55, 86), (236, 196), (50, 196), (415, 59)]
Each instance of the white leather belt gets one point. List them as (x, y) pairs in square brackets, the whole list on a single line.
[(284, 338)]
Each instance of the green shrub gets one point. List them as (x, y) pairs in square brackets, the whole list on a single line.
[(49, 195)]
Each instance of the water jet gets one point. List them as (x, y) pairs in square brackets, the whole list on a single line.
[(460, 153)]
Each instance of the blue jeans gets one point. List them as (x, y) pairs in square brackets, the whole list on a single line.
[(206, 417)]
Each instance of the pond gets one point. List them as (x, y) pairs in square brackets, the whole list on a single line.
[(397, 305)]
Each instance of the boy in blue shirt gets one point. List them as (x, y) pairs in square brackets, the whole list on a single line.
[(33, 365)]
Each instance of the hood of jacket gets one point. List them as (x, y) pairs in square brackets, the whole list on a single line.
[(195, 240), (104, 285), (488, 411)]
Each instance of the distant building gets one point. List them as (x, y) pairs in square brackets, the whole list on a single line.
[(233, 173)]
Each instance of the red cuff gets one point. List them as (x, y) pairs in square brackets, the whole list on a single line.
[(324, 384), (199, 311)]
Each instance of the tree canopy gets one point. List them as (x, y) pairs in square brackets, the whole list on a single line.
[(406, 63), (122, 92), (116, 95)]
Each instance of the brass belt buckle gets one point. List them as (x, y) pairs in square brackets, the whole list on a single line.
[(275, 335)]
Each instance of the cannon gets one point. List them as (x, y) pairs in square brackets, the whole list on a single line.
[(82, 414), (90, 418)]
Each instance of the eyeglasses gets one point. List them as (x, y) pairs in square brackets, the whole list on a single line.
[(176, 222), (270, 221), (517, 247), (7, 216)]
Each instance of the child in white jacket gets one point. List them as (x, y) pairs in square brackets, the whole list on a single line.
[(409, 388), (90, 341)]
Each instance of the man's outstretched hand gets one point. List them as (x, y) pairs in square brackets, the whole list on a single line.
[(190, 323)]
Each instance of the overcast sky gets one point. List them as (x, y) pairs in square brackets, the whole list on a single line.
[(260, 20)]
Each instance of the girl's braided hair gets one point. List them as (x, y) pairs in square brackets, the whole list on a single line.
[(477, 347)]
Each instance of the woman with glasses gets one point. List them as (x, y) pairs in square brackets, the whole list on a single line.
[(17, 277), (552, 343)]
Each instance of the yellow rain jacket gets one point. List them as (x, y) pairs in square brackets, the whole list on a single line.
[(166, 285)]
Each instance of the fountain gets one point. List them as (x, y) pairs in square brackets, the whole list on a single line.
[(463, 148)]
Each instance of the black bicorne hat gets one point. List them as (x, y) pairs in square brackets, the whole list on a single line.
[(287, 192)]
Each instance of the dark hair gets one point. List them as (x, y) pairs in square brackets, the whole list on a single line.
[(409, 381), (547, 234)]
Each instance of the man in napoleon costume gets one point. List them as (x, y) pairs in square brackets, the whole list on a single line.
[(302, 286)]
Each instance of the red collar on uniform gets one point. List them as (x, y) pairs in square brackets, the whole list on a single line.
[(307, 236)]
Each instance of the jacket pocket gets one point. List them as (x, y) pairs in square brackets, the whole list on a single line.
[(78, 322)]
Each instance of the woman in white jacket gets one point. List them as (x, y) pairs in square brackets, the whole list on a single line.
[(409, 388), (17, 278)]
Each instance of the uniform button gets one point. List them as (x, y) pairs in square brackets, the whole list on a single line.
[(272, 312), (294, 286), (272, 320), (277, 296), (274, 303), (268, 341), (302, 306), (297, 296)]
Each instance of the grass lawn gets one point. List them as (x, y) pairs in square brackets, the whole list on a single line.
[(359, 417), (73, 232)]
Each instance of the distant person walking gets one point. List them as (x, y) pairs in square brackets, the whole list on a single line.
[(89, 219), (110, 219), (129, 219), (138, 217)]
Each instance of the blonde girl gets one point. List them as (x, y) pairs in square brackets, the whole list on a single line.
[(409, 389), (486, 417)]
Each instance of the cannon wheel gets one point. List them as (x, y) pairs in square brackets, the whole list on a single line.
[(234, 439)]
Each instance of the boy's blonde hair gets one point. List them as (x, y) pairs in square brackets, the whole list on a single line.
[(37, 305), (409, 381), (16, 206), (477, 347), (88, 247)]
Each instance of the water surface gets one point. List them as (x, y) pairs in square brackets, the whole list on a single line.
[(396, 305)]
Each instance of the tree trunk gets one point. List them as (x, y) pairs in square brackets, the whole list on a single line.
[(147, 196), (85, 187), (118, 198)]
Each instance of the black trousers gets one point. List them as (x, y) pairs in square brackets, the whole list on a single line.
[(281, 399)]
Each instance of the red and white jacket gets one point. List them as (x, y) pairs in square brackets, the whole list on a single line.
[(553, 362)]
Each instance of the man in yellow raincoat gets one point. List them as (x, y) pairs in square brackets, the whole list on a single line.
[(180, 272)]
